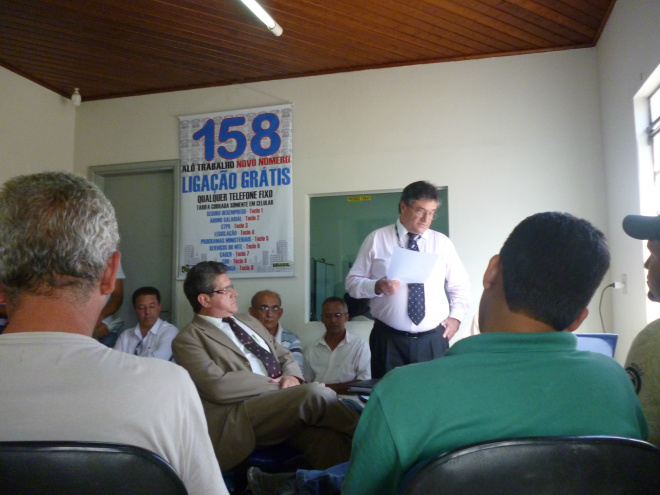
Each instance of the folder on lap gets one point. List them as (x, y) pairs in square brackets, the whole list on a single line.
[(363, 387)]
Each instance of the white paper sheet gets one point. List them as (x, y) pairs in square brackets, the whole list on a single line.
[(411, 267)]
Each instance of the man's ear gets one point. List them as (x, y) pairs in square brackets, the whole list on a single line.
[(578, 321), (493, 271), (253, 312), (203, 299), (110, 273)]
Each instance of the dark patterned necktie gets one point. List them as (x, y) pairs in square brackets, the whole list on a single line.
[(272, 366), (416, 308)]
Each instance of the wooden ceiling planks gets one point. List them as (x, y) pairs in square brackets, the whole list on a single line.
[(112, 48)]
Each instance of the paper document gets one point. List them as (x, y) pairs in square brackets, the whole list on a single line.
[(411, 267)]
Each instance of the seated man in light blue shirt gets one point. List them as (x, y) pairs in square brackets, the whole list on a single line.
[(152, 337), (266, 306)]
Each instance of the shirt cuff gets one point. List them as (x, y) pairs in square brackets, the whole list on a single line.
[(370, 288), (457, 315)]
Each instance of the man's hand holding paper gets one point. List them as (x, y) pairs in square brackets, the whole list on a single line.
[(386, 287)]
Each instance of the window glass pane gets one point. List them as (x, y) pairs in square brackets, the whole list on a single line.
[(654, 101), (654, 132)]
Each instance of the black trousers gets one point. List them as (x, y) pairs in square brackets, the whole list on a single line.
[(391, 348)]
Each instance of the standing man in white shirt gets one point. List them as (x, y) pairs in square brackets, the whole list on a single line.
[(152, 337), (338, 358), (413, 322)]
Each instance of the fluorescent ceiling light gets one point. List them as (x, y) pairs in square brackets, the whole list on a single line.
[(259, 11)]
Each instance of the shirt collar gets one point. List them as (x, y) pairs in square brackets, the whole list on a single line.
[(510, 341), (403, 233), (346, 340), (153, 330), (213, 319)]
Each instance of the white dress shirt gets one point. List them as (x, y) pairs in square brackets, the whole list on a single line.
[(256, 364), (350, 360), (157, 343), (449, 273)]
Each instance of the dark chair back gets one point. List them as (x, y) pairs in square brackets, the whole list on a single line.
[(84, 468), (541, 466)]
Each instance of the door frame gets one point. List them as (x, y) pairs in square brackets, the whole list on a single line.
[(98, 174)]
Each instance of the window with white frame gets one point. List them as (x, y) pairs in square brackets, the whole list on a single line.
[(653, 197), (654, 136)]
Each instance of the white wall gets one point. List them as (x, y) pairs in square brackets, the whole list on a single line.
[(37, 128), (628, 52), (509, 136)]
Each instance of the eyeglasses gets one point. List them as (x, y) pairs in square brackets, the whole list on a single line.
[(266, 309), (421, 213), (330, 316), (226, 290)]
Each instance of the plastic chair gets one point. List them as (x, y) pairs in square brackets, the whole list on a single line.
[(84, 468), (541, 466)]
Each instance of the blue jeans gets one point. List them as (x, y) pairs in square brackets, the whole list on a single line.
[(328, 482)]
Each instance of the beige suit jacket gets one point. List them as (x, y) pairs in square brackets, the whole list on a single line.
[(224, 379)]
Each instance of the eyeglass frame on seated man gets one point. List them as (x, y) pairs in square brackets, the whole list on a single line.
[(264, 308), (224, 291)]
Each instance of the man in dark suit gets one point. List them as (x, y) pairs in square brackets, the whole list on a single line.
[(251, 387)]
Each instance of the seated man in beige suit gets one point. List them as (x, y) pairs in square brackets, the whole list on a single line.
[(251, 387)]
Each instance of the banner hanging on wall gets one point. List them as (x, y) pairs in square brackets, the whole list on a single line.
[(237, 192)]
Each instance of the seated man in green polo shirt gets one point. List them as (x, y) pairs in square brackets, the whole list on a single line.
[(522, 376)]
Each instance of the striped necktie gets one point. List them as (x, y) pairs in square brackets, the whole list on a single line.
[(416, 308), (272, 366)]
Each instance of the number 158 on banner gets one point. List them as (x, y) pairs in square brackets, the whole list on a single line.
[(264, 126)]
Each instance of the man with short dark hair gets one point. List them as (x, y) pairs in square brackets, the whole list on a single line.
[(644, 354), (338, 358), (413, 322), (266, 306), (151, 337), (58, 262), (251, 387), (521, 377)]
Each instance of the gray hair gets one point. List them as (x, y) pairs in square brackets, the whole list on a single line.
[(419, 190), (57, 231), (335, 299), (200, 279)]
